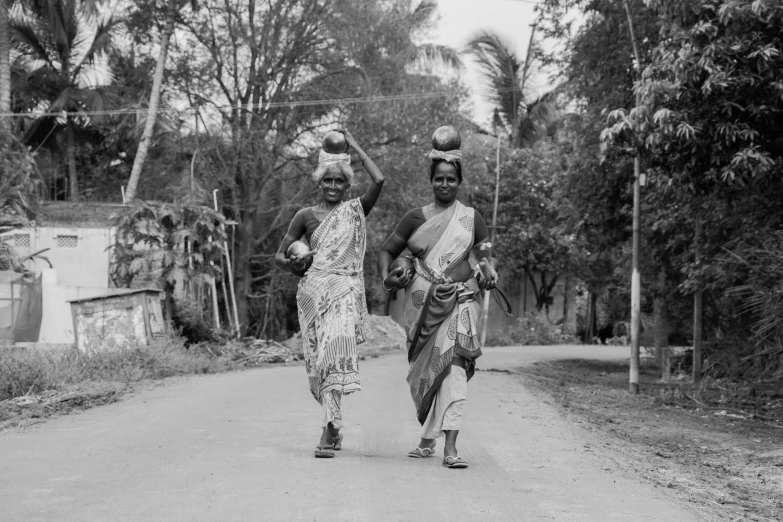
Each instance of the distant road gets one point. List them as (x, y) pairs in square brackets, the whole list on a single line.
[(239, 446)]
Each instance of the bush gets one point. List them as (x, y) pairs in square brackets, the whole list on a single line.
[(532, 329), (191, 322), (32, 371)]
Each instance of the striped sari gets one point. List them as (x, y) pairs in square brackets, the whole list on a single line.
[(333, 310), (440, 320)]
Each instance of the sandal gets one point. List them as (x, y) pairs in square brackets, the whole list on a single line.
[(422, 453), (337, 442), (454, 462), (324, 452)]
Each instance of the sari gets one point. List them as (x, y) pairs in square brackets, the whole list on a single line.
[(440, 319), (333, 310)]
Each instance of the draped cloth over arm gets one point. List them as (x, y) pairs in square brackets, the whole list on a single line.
[(439, 324), (332, 307)]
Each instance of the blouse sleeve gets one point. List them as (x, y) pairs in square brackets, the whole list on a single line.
[(480, 232), (297, 228), (412, 220)]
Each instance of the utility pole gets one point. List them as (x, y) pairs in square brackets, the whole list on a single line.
[(485, 315), (635, 275)]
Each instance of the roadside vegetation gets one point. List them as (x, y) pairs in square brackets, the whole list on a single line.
[(36, 383)]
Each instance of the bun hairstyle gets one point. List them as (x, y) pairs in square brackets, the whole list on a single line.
[(436, 161)]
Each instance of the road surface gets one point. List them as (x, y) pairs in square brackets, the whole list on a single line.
[(239, 446)]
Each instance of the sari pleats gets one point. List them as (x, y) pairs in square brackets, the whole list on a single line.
[(332, 308), (439, 324)]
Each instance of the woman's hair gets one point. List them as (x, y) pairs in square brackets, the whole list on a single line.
[(457, 164)]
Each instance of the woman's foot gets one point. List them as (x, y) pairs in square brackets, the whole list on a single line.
[(426, 449), (326, 446), (456, 462)]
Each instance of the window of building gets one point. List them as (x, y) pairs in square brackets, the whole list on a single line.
[(22, 240), (66, 241)]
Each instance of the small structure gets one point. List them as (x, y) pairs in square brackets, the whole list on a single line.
[(118, 319), (20, 307)]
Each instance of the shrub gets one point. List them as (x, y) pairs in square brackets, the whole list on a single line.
[(532, 329), (31, 371)]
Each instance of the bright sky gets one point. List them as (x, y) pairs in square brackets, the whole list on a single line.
[(461, 19)]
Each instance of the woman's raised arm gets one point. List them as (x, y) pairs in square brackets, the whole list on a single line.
[(370, 197)]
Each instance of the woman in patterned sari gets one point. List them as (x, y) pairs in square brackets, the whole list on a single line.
[(442, 302), (330, 298)]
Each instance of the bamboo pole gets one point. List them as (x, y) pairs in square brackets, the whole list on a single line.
[(485, 314)]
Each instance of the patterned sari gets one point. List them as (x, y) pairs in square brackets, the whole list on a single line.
[(441, 316), (332, 308)]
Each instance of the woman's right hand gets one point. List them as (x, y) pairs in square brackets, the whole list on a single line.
[(398, 278)]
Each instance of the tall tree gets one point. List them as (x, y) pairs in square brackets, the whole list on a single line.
[(171, 11), (64, 40), (507, 76)]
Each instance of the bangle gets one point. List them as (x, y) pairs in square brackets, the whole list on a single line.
[(365, 158)]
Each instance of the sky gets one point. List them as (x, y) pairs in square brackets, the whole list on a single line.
[(461, 19)]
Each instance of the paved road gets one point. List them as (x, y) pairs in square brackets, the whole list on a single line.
[(239, 447)]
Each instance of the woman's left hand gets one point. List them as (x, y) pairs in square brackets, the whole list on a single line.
[(489, 276), (349, 138)]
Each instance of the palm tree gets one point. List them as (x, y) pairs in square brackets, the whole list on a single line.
[(523, 117), (428, 54), (5, 62), (172, 8), (63, 41)]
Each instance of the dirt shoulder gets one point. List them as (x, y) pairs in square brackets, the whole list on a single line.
[(716, 448)]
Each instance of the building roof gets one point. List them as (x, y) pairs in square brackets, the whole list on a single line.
[(116, 293), (77, 215)]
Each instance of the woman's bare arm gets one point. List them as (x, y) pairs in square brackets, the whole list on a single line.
[(373, 192)]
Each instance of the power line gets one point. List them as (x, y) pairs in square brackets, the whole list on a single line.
[(250, 107)]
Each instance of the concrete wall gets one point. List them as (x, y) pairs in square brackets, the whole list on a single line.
[(80, 255), (57, 322)]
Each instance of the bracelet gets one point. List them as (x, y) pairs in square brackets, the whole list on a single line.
[(365, 158)]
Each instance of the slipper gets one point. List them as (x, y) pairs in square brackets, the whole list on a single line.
[(337, 442), (454, 462), (324, 452), (422, 453)]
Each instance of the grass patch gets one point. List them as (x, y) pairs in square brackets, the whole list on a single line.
[(36, 383), (717, 446), (532, 329)]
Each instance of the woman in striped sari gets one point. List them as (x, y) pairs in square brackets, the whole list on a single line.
[(330, 298), (442, 302)]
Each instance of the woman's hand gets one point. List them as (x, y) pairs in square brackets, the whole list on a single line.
[(398, 278), (349, 138), (296, 263), (488, 276)]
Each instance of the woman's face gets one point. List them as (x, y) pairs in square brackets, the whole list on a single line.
[(445, 183), (333, 185)]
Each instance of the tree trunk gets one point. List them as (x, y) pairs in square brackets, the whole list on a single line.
[(152, 111), (5, 66), (569, 305), (70, 157), (661, 327), (243, 275), (697, 310)]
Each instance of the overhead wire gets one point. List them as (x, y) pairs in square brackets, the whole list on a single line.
[(248, 107)]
